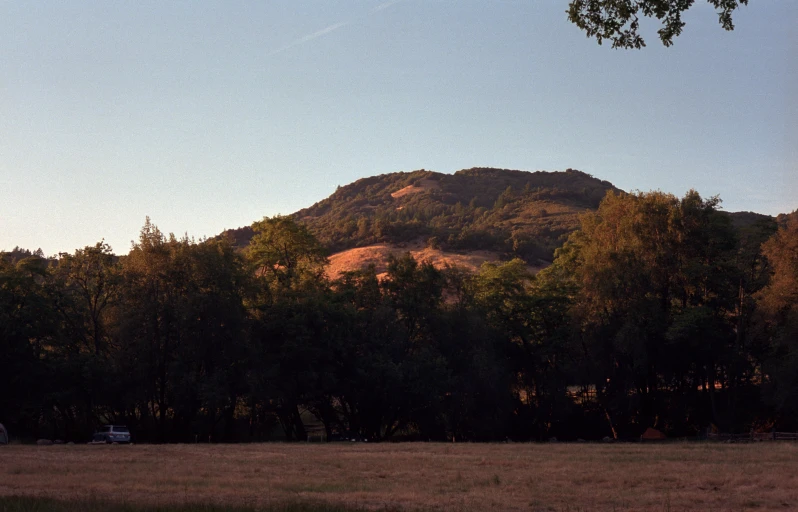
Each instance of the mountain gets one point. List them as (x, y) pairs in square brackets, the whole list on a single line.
[(502, 213), (466, 218)]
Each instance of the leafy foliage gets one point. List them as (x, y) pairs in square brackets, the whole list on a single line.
[(619, 20), (657, 312), (779, 301)]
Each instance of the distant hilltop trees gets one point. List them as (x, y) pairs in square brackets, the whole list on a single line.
[(18, 253)]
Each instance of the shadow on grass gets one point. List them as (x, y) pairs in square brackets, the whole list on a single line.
[(31, 504)]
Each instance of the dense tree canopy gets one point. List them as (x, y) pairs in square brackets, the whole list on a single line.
[(779, 310), (657, 312)]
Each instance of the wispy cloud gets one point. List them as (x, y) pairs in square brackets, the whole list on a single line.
[(310, 37)]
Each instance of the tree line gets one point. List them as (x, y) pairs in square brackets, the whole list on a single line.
[(655, 313)]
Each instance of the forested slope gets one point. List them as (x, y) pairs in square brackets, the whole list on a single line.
[(513, 213)]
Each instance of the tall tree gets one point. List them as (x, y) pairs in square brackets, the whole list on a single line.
[(89, 283), (649, 270), (779, 309), (84, 289), (289, 263), (183, 335), (28, 327), (286, 251)]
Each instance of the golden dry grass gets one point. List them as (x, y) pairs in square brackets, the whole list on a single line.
[(473, 477), (378, 254)]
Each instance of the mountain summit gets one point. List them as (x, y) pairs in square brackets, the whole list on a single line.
[(483, 212)]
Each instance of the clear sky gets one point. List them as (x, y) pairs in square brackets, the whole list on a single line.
[(210, 115)]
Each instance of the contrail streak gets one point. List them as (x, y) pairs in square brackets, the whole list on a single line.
[(310, 37), (331, 28)]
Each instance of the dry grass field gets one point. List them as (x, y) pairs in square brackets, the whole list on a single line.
[(361, 257), (416, 476)]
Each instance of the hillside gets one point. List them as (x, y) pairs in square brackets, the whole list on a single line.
[(465, 218), (504, 212), (747, 220), (378, 255)]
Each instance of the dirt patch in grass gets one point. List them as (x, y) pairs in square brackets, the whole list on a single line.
[(426, 476), (421, 186)]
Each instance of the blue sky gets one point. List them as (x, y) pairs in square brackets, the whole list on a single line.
[(210, 115)]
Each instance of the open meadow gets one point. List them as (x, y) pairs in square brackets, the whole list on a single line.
[(414, 476)]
